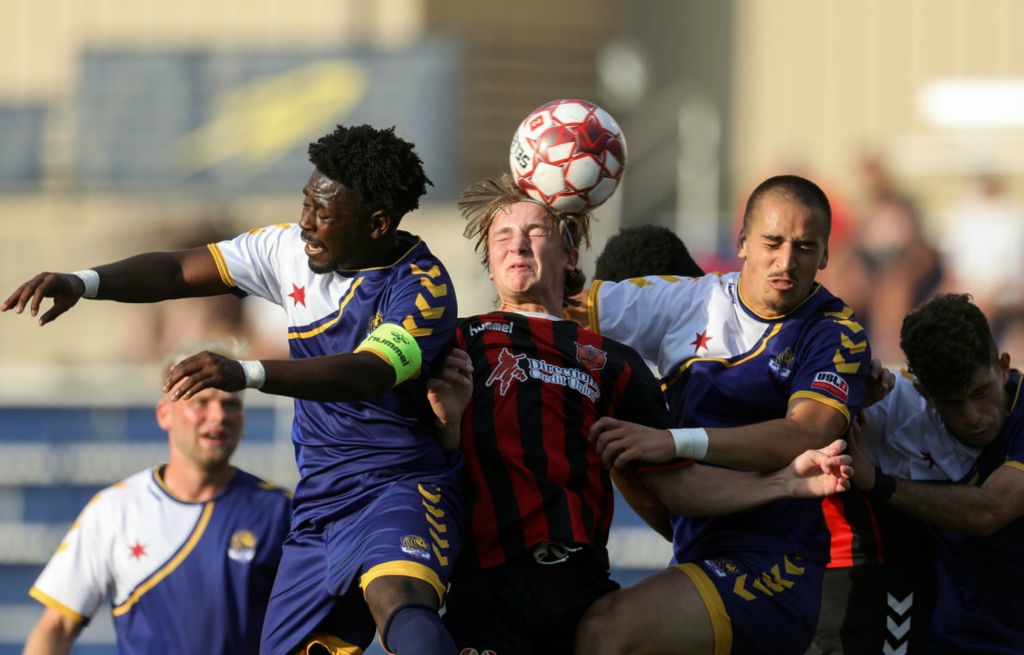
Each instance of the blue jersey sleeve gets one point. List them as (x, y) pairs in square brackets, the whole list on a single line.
[(833, 362), (424, 304)]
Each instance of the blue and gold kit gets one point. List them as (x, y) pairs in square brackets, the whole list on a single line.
[(978, 606), (723, 365), (377, 493), (182, 577)]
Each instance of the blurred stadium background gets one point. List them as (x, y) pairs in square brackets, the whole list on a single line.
[(136, 124)]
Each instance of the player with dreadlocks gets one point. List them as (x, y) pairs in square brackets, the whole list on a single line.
[(539, 501), (375, 528)]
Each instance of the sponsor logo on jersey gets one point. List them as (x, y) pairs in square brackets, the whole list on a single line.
[(721, 567), (593, 359), (831, 383), (497, 326), (415, 545), (242, 547), (519, 367), (781, 365)]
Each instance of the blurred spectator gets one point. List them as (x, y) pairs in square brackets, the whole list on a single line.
[(903, 268), (982, 250), (645, 250)]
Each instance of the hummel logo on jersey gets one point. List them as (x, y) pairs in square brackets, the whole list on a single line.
[(496, 326), (831, 383)]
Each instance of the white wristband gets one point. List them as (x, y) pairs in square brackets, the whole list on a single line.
[(691, 443), (255, 375), (91, 279)]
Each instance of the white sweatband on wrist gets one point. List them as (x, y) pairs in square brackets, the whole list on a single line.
[(91, 280), (255, 375), (691, 443)]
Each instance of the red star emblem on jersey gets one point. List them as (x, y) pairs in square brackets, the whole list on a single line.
[(298, 294), (927, 456), (701, 341), (138, 550)]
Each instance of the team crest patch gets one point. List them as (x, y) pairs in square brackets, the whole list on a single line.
[(721, 567), (781, 365), (832, 384), (592, 358), (375, 322), (242, 547), (415, 545)]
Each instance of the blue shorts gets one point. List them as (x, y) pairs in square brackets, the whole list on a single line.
[(410, 529), (759, 602)]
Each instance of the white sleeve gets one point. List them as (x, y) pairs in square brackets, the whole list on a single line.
[(79, 576), (641, 312), (252, 261)]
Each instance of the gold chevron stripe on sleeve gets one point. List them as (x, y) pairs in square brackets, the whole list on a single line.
[(436, 290), (434, 270), (429, 313)]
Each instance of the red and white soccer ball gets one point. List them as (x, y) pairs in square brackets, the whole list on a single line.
[(569, 155)]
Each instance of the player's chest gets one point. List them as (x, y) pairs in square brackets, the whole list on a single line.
[(509, 364), (334, 315)]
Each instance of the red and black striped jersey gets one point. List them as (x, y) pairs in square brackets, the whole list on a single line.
[(539, 384)]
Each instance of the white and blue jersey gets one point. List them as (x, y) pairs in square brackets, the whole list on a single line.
[(182, 577), (345, 450), (724, 365)]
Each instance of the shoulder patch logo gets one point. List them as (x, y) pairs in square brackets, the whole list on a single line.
[(781, 365), (415, 545), (832, 384), (242, 547), (591, 357)]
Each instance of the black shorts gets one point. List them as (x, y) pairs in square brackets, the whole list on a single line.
[(524, 607)]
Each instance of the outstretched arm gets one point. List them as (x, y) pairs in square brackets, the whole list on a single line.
[(149, 277), (707, 490), (53, 635), (765, 446), (338, 378)]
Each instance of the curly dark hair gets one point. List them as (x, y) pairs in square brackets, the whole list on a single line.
[(645, 250), (946, 341), (382, 168), (479, 203)]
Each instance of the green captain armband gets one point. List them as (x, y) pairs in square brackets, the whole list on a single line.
[(395, 345)]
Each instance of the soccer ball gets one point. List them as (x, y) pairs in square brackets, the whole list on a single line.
[(569, 155)]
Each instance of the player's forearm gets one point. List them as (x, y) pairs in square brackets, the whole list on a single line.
[(50, 640), (156, 276), (709, 491), (766, 446), (645, 503), (333, 378), (970, 509)]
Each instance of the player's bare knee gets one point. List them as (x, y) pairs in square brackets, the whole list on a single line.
[(388, 592), (601, 631)]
